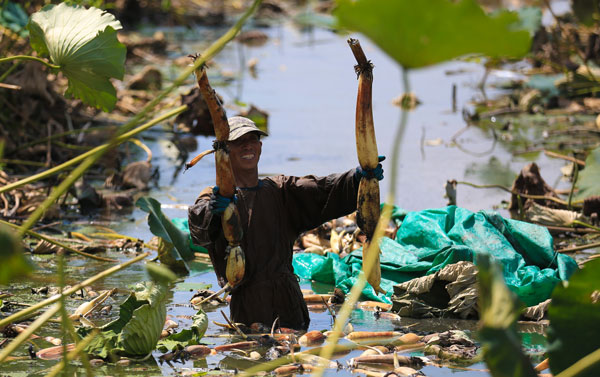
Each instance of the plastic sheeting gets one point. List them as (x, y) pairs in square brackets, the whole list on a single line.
[(429, 240)]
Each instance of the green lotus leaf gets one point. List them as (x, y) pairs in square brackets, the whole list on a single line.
[(421, 33), (589, 178), (13, 262), (163, 227), (499, 310), (574, 316), (83, 42), (186, 337), (137, 330)]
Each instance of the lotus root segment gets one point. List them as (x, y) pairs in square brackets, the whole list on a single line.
[(232, 226), (368, 205), (236, 265), (225, 178)]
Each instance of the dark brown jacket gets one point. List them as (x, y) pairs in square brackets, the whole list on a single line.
[(273, 215)]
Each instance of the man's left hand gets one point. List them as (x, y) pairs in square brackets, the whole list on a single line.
[(374, 173)]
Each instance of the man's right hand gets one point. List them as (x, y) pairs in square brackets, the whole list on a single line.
[(218, 202)]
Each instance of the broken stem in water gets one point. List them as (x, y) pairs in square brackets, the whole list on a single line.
[(58, 243), (526, 196)]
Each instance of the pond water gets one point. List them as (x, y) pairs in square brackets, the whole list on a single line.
[(306, 82)]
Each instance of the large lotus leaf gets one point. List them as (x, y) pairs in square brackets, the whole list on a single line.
[(186, 337), (589, 178), (499, 310), (574, 317), (137, 329), (13, 262), (163, 227), (141, 333), (83, 42), (421, 33)]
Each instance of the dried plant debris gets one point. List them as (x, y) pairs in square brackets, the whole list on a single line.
[(530, 182)]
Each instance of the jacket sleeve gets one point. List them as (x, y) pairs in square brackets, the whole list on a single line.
[(311, 201), (206, 231)]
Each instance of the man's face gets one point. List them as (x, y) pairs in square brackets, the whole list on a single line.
[(245, 151)]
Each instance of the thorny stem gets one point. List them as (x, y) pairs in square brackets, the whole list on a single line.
[(27, 57), (58, 243), (73, 289)]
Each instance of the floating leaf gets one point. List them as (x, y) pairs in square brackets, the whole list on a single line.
[(421, 33), (83, 42), (589, 178), (574, 314), (499, 310), (186, 337), (492, 172), (138, 328), (13, 262)]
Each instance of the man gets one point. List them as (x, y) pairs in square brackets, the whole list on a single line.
[(273, 211)]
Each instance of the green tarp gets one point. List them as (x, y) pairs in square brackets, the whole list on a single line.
[(431, 239)]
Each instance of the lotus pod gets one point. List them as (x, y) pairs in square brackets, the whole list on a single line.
[(225, 178), (232, 225), (236, 265), (368, 205)]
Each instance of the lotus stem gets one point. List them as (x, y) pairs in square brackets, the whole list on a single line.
[(526, 196), (581, 365), (58, 243), (144, 147), (357, 288), (73, 289), (27, 57)]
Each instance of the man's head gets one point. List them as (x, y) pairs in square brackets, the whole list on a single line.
[(244, 145)]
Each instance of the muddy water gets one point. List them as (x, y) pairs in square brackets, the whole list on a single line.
[(306, 82)]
